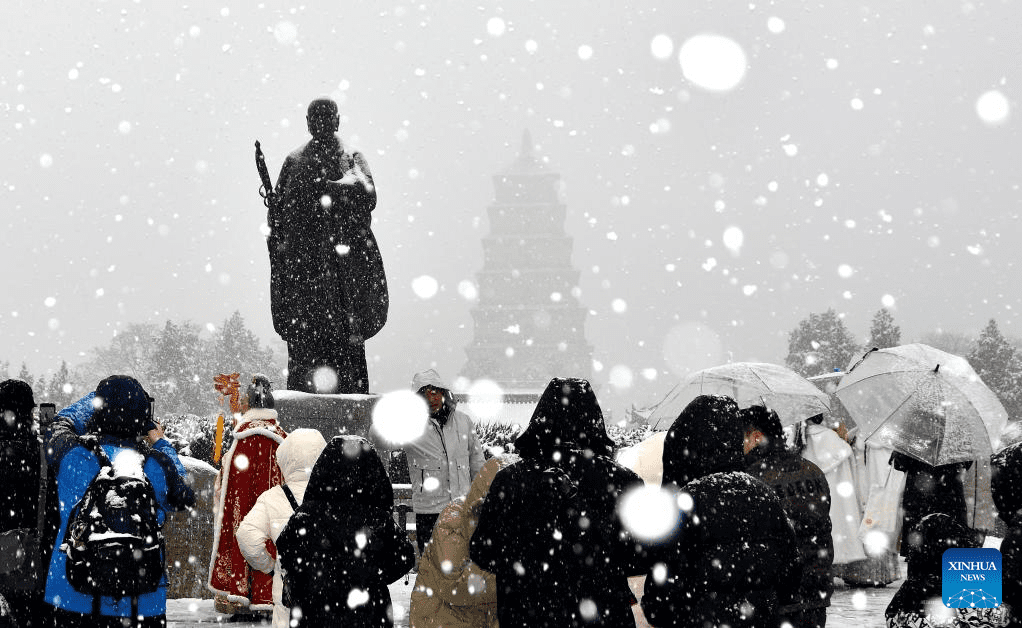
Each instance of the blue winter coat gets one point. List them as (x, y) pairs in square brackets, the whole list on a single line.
[(60, 440), (77, 470)]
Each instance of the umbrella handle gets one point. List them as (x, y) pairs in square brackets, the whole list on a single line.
[(864, 356)]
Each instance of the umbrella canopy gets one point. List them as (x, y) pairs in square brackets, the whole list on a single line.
[(750, 384), (646, 458), (923, 402)]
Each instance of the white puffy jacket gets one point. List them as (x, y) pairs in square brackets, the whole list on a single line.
[(295, 457)]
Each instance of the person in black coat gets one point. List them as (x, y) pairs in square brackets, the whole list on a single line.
[(735, 560), (549, 528), (805, 495), (928, 490), (21, 466), (918, 602), (342, 547), (1005, 483)]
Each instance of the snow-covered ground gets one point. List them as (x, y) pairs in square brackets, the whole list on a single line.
[(850, 607)]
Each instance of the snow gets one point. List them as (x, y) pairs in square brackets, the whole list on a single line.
[(850, 608), (713, 62), (649, 512), (128, 463), (400, 416), (425, 287)]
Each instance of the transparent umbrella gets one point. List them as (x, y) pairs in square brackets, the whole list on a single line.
[(777, 387), (923, 402)]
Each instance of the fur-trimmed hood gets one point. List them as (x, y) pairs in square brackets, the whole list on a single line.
[(262, 421)]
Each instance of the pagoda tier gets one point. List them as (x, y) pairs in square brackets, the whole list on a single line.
[(532, 251), (549, 323), (529, 324)]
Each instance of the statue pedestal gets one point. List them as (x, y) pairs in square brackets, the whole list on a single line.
[(332, 415)]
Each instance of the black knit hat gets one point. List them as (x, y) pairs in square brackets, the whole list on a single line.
[(122, 407), (16, 395)]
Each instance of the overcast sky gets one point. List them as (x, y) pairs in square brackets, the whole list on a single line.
[(807, 156)]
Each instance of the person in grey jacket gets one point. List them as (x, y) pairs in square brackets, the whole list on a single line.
[(443, 461)]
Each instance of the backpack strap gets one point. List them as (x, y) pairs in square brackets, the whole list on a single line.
[(92, 444), (290, 496)]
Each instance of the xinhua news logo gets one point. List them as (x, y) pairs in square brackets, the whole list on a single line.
[(972, 578)]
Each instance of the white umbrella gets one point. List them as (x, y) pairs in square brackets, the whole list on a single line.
[(923, 402), (750, 384), (646, 458)]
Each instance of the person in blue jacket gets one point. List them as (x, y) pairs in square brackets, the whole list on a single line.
[(120, 419), (72, 422)]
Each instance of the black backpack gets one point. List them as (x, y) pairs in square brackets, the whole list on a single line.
[(113, 542)]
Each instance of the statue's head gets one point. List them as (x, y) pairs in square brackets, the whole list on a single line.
[(322, 118)]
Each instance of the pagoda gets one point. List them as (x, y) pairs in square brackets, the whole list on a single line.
[(529, 323)]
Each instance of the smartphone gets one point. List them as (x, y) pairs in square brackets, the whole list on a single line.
[(47, 411)]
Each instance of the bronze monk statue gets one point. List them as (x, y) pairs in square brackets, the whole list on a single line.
[(328, 289)]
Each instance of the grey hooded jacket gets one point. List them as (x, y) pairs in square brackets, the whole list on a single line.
[(443, 461)]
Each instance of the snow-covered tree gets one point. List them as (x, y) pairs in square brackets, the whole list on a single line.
[(999, 365), (953, 342), (820, 344), (41, 389), (178, 380), (883, 333), (130, 352), (61, 388), (236, 350), (26, 377)]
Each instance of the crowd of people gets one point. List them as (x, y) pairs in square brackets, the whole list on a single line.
[(304, 527)]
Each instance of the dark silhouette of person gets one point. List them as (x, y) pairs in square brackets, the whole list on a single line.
[(549, 528), (328, 289), (929, 489), (805, 496), (734, 559), (1005, 478)]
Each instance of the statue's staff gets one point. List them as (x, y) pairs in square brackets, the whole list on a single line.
[(266, 189)]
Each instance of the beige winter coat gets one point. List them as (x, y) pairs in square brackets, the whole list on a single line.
[(450, 590), (296, 456)]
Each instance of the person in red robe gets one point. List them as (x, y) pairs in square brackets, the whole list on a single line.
[(248, 469)]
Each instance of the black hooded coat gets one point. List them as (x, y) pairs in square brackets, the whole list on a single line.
[(735, 560), (19, 457), (937, 533), (341, 548), (1005, 480), (929, 490), (803, 490), (549, 527)]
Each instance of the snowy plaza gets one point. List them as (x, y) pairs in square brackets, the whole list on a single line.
[(850, 608)]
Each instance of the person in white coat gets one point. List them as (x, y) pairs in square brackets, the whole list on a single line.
[(833, 455), (443, 461), (296, 456)]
